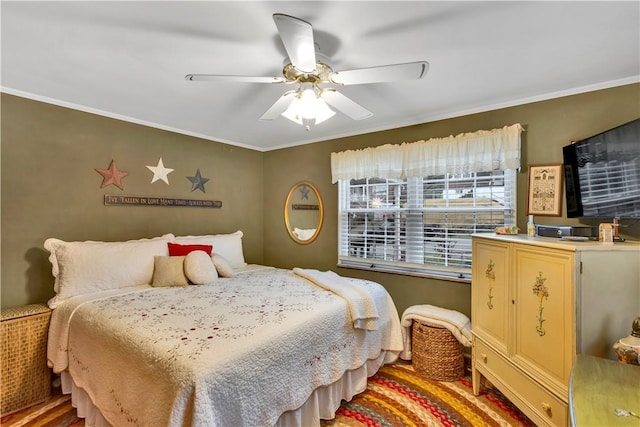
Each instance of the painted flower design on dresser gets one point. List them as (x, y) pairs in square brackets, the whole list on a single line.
[(491, 275), (541, 291)]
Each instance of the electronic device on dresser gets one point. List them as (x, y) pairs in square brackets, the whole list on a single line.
[(602, 174), (566, 231)]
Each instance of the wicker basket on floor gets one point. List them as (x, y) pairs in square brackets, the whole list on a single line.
[(26, 379), (436, 353)]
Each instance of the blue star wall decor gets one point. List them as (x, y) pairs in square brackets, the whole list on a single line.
[(197, 182), (304, 192)]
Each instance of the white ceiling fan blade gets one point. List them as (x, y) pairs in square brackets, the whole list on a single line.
[(297, 38), (234, 79), (279, 106), (345, 105), (383, 73)]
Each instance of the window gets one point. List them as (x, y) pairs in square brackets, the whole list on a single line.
[(412, 207), (422, 225)]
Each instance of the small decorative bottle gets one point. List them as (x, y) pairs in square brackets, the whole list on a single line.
[(531, 227)]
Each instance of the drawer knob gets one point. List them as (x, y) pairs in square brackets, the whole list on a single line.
[(483, 357), (546, 408)]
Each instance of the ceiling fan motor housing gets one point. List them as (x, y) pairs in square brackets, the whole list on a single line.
[(319, 75)]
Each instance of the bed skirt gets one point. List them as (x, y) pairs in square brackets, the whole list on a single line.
[(322, 404)]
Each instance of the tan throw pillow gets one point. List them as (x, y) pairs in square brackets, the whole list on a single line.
[(199, 268), (223, 267), (169, 271)]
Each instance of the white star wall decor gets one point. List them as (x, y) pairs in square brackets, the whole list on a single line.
[(160, 172)]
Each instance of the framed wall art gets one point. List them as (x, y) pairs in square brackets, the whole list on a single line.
[(545, 190)]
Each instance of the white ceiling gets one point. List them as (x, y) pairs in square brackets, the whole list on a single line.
[(128, 59)]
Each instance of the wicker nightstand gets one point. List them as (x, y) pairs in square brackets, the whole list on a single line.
[(26, 379)]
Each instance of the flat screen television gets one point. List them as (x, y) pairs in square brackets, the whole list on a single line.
[(602, 174)]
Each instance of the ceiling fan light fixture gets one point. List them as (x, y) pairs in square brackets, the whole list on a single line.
[(307, 104), (292, 114), (307, 108), (323, 112)]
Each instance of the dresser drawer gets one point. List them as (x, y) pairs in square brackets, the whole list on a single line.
[(539, 404)]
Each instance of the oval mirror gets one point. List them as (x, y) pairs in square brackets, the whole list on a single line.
[(303, 212)]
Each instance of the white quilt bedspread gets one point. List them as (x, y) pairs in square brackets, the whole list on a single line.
[(239, 352)]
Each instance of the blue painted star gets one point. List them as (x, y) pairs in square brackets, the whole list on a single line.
[(304, 191), (197, 182)]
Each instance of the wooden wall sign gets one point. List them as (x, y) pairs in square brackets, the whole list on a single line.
[(306, 207), (159, 201)]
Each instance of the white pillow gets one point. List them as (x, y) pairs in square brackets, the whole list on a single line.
[(199, 268), (169, 271), (85, 267), (227, 245), (222, 265)]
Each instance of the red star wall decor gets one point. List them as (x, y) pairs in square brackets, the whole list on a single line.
[(112, 175)]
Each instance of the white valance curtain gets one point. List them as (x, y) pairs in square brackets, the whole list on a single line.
[(481, 151)]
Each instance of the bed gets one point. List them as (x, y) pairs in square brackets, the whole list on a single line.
[(257, 346)]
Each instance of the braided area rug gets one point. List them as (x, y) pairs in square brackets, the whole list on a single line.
[(398, 396)]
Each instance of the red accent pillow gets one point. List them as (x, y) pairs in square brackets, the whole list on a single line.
[(176, 249)]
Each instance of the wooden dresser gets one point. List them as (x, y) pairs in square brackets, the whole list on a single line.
[(536, 303)]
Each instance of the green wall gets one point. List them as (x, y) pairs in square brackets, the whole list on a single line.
[(549, 125), (50, 188)]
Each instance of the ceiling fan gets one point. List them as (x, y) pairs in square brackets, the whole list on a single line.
[(307, 67)]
